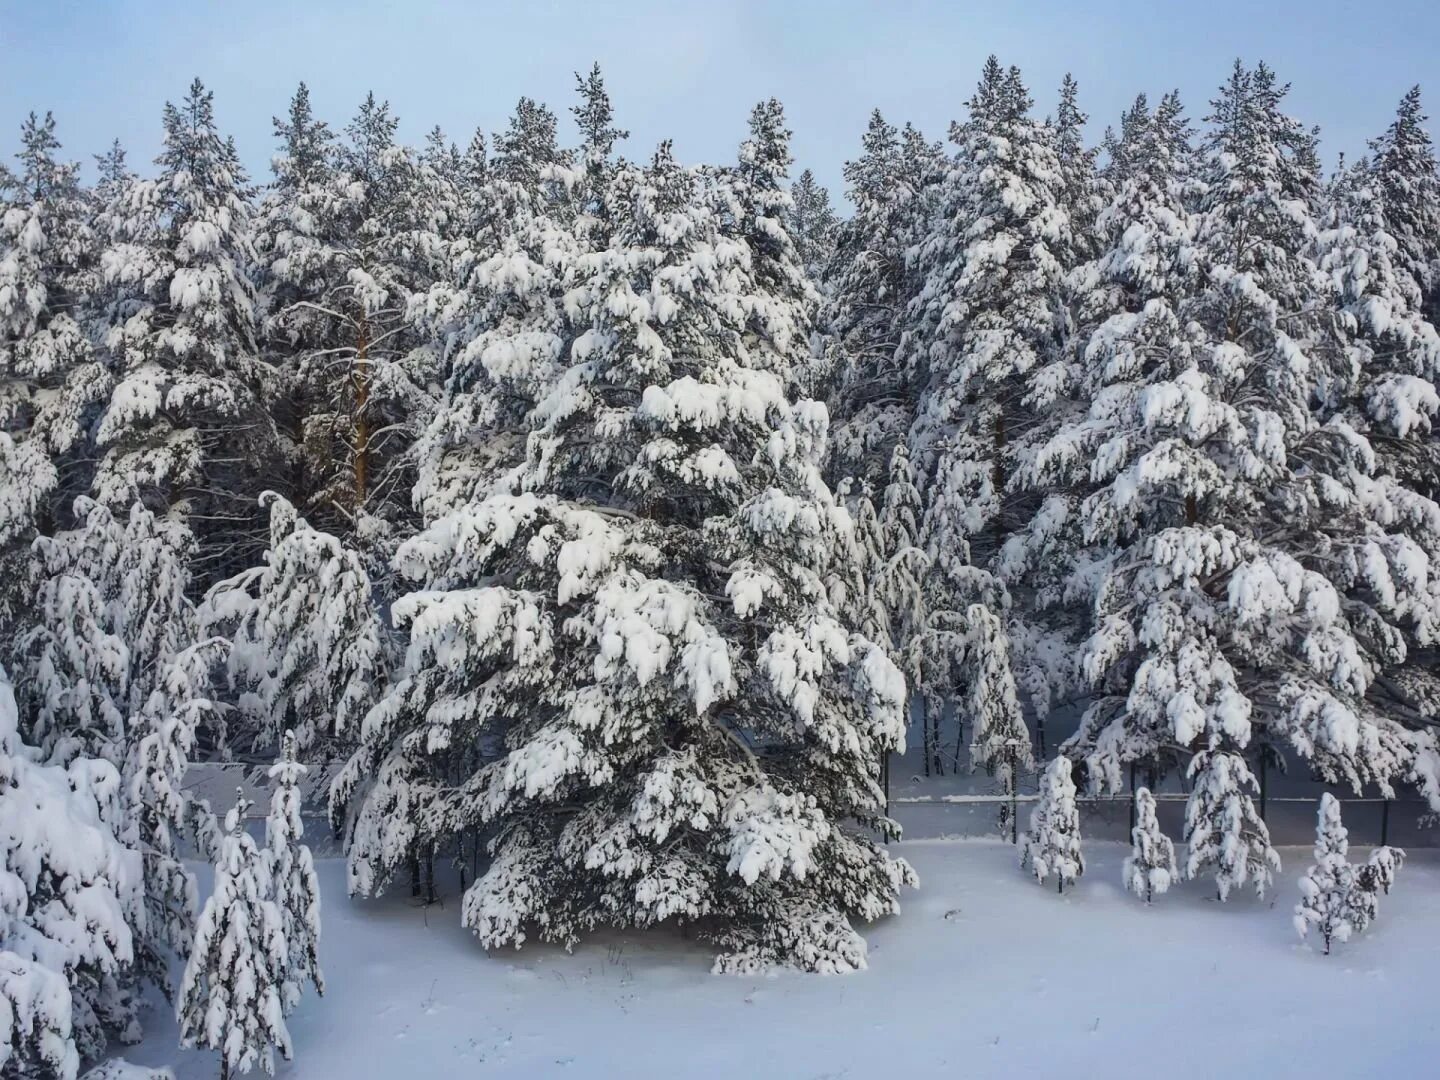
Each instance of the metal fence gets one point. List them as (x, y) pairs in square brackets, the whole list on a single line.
[(1289, 818)]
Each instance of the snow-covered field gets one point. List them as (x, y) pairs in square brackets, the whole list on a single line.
[(984, 974)]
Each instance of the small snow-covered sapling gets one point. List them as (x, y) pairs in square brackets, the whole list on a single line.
[(292, 871), (231, 995), (1337, 898), (1052, 844), (1150, 869)]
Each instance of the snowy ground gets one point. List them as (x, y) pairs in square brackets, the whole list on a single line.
[(984, 974)]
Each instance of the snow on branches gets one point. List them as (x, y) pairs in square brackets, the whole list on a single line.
[(1052, 843), (1338, 898)]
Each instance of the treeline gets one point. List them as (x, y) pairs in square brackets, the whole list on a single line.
[(611, 516)]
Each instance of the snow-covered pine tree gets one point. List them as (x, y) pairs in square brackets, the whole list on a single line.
[(1372, 877), (813, 223), (1223, 833), (1326, 887), (1380, 401), (859, 320), (110, 195), (291, 223), (781, 300), (864, 597), (1228, 631), (999, 740), (595, 118), (872, 395), (631, 670), (1052, 843), (1102, 472), (1078, 193), (367, 245), (1150, 868), (309, 646), (440, 176), (1367, 881), (160, 809), (474, 176), (527, 149), (50, 382), (109, 612), (867, 292), (503, 317), (924, 166), (231, 996), (981, 329), (74, 667), (887, 600), (1116, 146), (1338, 898), (929, 645), (1384, 863), (292, 874), (71, 909), (113, 670), (894, 568), (187, 423), (984, 320), (1403, 167)]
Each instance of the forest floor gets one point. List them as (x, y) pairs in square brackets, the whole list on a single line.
[(985, 973)]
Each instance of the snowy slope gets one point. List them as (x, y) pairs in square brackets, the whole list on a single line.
[(985, 974)]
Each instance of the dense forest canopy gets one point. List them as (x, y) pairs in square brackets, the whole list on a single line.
[(607, 522)]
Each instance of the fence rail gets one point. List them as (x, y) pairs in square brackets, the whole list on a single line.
[(1165, 796), (1290, 817)]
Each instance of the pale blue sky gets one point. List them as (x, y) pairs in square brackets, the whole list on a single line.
[(685, 68)]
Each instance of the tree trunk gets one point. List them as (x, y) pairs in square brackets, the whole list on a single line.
[(360, 377), (998, 478)]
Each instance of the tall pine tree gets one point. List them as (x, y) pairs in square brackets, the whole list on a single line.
[(652, 698)]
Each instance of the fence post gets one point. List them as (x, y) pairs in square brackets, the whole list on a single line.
[(1132, 796), (1014, 807), (1385, 823)]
